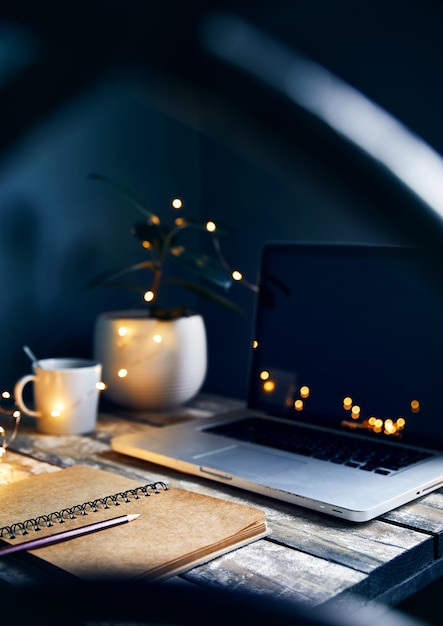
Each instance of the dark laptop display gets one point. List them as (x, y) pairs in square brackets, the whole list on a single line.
[(350, 338), (344, 412)]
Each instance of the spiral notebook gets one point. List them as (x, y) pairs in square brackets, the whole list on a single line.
[(176, 529)]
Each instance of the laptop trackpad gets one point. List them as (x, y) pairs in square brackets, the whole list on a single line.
[(242, 461)]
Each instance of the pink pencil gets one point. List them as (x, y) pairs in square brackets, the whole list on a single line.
[(65, 535)]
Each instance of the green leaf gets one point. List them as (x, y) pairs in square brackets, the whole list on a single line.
[(128, 195), (204, 265), (155, 235), (206, 293), (106, 277), (119, 285)]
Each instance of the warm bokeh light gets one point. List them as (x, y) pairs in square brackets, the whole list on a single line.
[(146, 244), (100, 386), (157, 338), (269, 386), (390, 427), (179, 221), (122, 331), (255, 344), (236, 275), (387, 426), (211, 227), (149, 296), (264, 375), (298, 405), (305, 391), (355, 412), (122, 373), (13, 412), (347, 403), (415, 406), (177, 203)]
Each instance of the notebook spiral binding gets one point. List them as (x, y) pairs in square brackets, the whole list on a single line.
[(61, 516)]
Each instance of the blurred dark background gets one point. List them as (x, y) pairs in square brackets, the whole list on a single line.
[(131, 90)]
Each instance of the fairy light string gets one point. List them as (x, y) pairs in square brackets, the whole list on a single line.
[(7, 408)]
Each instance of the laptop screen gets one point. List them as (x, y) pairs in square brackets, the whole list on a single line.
[(350, 337)]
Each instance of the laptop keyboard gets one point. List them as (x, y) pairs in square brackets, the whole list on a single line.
[(364, 455)]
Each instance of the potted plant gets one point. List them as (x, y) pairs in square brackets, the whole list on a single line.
[(154, 356)]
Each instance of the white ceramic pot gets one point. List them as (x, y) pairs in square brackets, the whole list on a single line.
[(150, 364)]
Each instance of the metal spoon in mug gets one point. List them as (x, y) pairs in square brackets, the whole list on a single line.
[(30, 354)]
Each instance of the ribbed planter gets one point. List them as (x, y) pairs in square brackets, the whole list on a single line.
[(150, 364)]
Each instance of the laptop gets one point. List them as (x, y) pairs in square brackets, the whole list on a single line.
[(344, 411)]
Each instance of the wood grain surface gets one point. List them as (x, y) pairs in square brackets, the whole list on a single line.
[(310, 557)]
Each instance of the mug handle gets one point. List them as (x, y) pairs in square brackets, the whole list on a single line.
[(18, 395)]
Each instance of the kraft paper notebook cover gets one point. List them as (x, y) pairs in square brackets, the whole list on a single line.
[(176, 530)]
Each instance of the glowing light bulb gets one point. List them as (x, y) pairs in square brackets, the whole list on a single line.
[(355, 412), (390, 427), (177, 203), (211, 227), (305, 391), (347, 403), (236, 275), (157, 338), (149, 296), (122, 373), (122, 331), (415, 406)]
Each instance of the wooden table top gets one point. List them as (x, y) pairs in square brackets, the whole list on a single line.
[(309, 557)]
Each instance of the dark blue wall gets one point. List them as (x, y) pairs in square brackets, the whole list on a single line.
[(57, 229)]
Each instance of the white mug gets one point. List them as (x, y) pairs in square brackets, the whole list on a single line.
[(66, 393)]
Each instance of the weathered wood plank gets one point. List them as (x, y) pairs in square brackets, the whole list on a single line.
[(352, 603), (425, 514), (381, 553), (385, 551), (265, 567), (23, 466)]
